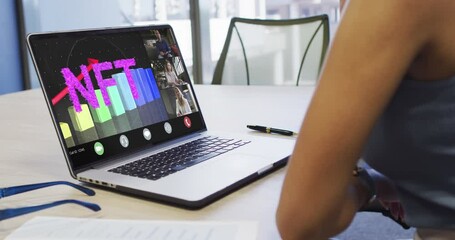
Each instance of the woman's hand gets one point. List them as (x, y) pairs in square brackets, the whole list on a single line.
[(387, 194), (385, 189), (395, 208)]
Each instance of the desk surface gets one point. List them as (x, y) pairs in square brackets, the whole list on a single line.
[(31, 153)]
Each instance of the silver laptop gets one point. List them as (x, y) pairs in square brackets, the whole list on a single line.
[(128, 119)]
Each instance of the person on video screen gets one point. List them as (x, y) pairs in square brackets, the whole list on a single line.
[(182, 107), (171, 77), (164, 51)]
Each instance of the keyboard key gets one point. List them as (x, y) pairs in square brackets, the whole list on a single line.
[(195, 161)]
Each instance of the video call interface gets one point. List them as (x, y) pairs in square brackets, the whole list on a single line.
[(115, 91)]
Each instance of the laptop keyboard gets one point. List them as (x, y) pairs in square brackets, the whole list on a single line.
[(175, 159)]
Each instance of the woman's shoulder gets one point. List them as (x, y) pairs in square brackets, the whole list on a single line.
[(430, 22), (436, 60)]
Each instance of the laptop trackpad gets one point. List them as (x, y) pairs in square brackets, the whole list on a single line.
[(223, 170)]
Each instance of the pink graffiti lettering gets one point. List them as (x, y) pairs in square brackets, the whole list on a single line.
[(88, 91), (103, 83), (73, 85)]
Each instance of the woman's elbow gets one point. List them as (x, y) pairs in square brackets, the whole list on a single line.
[(295, 224), (292, 225)]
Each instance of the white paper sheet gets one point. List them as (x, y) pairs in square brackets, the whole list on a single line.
[(88, 228)]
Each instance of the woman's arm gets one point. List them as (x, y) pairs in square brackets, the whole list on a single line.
[(374, 46)]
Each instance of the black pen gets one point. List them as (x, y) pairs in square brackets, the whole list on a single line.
[(271, 130)]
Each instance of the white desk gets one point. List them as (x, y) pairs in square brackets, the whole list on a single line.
[(30, 153)]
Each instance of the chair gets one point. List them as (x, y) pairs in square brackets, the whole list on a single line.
[(273, 52)]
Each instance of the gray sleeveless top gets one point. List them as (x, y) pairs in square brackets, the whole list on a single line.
[(413, 143)]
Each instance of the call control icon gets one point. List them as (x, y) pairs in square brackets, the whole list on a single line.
[(187, 122), (147, 134), (124, 141), (99, 148), (168, 128)]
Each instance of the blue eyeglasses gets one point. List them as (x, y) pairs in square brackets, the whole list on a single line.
[(14, 212)]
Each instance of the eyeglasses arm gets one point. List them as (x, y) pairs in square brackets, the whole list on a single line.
[(9, 191), (14, 212)]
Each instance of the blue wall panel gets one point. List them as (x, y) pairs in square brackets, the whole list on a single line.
[(10, 65)]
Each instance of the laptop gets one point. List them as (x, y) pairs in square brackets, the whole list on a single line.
[(128, 118)]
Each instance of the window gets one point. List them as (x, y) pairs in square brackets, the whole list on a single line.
[(214, 17), (57, 15)]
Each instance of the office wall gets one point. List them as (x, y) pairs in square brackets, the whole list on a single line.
[(10, 65)]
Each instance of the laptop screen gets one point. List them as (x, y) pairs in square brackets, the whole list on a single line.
[(115, 91)]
